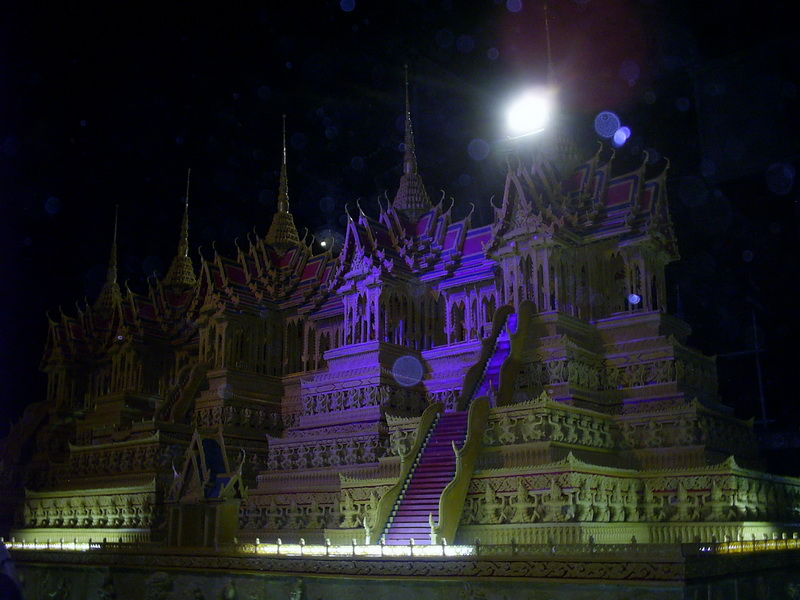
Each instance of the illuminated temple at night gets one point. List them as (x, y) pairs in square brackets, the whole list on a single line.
[(467, 385)]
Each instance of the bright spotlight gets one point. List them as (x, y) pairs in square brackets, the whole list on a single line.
[(530, 113)]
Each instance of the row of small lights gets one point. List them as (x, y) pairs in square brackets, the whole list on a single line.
[(355, 549), (74, 545), (782, 542), (281, 549), (778, 542)]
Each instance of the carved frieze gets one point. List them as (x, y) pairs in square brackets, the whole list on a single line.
[(538, 422), (118, 510), (381, 395), (589, 497), (327, 453), (241, 416)]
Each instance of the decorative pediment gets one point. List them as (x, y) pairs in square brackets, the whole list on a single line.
[(206, 475)]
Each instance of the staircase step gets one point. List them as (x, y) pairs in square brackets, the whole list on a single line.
[(420, 514), (435, 470), (424, 497), (422, 521), (430, 483)]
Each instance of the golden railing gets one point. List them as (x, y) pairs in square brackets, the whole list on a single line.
[(476, 372), (451, 503)]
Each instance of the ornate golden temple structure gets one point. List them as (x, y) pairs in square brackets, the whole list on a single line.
[(518, 381)]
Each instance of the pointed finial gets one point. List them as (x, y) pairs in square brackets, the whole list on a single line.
[(183, 244), (284, 138), (283, 189), (408, 103), (181, 271), (411, 197), (409, 158), (550, 71), (282, 233), (110, 294), (112, 260)]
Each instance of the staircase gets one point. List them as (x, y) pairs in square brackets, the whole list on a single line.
[(438, 478), (434, 470), (502, 350)]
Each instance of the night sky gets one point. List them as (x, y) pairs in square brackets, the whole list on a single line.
[(110, 103)]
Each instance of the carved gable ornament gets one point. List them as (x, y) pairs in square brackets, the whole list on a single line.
[(206, 474)]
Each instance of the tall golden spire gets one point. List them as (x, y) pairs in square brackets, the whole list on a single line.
[(110, 294), (409, 156), (183, 244), (111, 274), (411, 197), (181, 271), (282, 233), (283, 186)]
